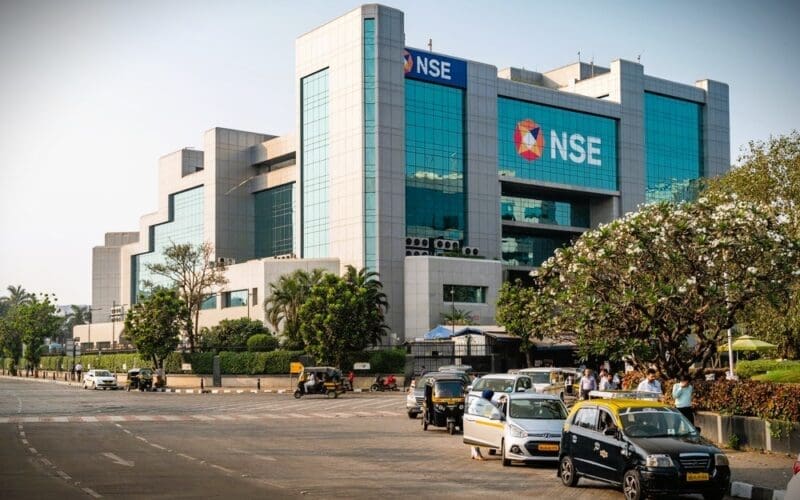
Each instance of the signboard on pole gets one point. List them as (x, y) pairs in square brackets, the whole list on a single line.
[(295, 367), (361, 366)]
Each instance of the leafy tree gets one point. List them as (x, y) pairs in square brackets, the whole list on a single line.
[(154, 324), (11, 337), (262, 342), (514, 313), (664, 284), (769, 172), (230, 334), (27, 323), (286, 296), (192, 270), (343, 314), (78, 315)]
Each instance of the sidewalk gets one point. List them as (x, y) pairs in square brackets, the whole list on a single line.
[(763, 471)]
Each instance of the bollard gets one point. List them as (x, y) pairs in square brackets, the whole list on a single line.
[(201, 384), (54, 375), (65, 377), (258, 384)]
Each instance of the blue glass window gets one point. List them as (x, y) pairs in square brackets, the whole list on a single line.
[(273, 220), (210, 302), (314, 157), (560, 213), (522, 249), (673, 147), (544, 143), (370, 145), (236, 298), (185, 226), (464, 293), (435, 182)]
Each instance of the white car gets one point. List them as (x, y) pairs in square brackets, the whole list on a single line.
[(793, 488), (99, 379), (499, 382), (550, 380), (526, 427)]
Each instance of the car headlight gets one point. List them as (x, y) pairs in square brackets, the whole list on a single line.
[(516, 431), (440, 407), (460, 407), (721, 459), (659, 461)]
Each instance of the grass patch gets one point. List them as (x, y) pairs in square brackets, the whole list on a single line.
[(780, 376)]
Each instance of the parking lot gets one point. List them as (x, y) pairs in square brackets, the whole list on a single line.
[(66, 442)]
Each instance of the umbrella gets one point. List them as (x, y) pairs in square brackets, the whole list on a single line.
[(748, 343)]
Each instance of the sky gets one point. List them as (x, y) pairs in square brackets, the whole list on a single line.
[(92, 93)]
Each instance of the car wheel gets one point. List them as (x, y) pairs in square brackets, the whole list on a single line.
[(331, 394), (374, 388), (506, 461), (412, 415), (566, 469), (632, 485), (297, 394)]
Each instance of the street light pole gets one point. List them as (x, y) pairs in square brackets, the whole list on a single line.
[(453, 307)]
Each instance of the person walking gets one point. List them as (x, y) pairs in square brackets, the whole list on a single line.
[(682, 393), (650, 383), (78, 370), (588, 383)]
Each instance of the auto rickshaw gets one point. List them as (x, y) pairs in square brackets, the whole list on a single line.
[(139, 378), (444, 404), (328, 381)]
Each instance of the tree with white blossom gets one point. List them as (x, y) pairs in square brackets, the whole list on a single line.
[(662, 286)]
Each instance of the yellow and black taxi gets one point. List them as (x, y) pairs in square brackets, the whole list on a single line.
[(644, 447)]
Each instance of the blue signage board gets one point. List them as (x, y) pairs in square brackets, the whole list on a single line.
[(435, 68)]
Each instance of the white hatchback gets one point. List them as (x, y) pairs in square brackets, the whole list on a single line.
[(99, 379), (525, 426), (499, 383)]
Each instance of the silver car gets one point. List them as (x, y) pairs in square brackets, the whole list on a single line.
[(99, 379), (499, 382), (416, 391), (524, 426)]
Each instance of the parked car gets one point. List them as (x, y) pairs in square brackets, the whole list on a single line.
[(644, 447), (499, 382), (526, 427), (99, 379), (551, 380), (416, 391)]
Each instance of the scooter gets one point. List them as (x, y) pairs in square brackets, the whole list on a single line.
[(381, 385)]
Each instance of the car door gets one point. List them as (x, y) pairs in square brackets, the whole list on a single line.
[(607, 449), (581, 433), (483, 424)]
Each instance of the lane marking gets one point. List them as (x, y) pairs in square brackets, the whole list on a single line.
[(24, 441), (187, 457), (158, 446), (89, 419), (118, 460), (229, 471), (64, 475), (92, 493), (140, 438)]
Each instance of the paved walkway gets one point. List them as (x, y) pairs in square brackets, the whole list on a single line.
[(767, 470)]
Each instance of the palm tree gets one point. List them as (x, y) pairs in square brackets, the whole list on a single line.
[(369, 280), (17, 296), (283, 306), (458, 317), (77, 316)]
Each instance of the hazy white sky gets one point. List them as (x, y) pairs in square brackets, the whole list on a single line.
[(92, 93)]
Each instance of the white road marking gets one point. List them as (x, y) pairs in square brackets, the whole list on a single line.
[(119, 460), (64, 475), (202, 417), (92, 493), (264, 457), (140, 438), (88, 419), (187, 457), (297, 415), (46, 462), (33, 450), (24, 441), (158, 446), (221, 468)]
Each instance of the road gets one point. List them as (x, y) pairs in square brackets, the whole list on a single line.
[(64, 442)]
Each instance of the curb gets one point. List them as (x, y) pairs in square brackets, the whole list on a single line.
[(746, 490)]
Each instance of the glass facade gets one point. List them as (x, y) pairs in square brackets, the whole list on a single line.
[(673, 147), (185, 226), (273, 221), (210, 302), (370, 145), (560, 213), (544, 143), (234, 298), (435, 182), (314, 154), (464, 293), (521, 249)]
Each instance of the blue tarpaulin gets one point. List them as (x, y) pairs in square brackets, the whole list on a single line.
[(445, 332)]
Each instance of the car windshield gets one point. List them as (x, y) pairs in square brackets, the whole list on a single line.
[(102, 373), (495, 384), (448, 389), (537, 409), (539, 377), (655, 422)]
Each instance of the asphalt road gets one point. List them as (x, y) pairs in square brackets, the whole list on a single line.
[(63, 442)]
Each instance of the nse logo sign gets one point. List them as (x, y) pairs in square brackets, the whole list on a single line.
[(434, 68), (530, 143)]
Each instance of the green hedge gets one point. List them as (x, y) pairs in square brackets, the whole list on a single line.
[(747, 369)]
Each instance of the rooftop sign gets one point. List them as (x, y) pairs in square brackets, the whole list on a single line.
[(435, 68)]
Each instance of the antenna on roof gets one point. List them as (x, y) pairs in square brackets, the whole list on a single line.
[(639, 57), (430, 44), (579, 56)]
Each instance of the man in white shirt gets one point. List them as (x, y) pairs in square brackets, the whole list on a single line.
[(650, 383)]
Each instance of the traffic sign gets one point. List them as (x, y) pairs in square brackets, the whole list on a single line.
[(361, 366), (295, 367)]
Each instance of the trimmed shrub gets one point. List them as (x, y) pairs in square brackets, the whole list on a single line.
[(765, 400), (262, 342), (388, 361), (277, 362), (747, 369)]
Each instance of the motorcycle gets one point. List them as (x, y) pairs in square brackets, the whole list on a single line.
[(381, 385)]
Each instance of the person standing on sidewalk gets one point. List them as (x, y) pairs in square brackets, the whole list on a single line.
[(682, 393), (588, 383), (78, 370)]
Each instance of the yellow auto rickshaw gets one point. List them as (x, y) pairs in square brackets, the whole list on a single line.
[(325, 380), (443, 405)]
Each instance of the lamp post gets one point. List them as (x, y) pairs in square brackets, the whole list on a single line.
[(90, 321), (453, 307), (117, 313)]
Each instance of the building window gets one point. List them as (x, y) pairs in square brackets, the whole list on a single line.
[(435, 181), (370, 147), (210, 302), (464, 293), (185, 226), (523, 248), (314, 157), (273, 221), (235, 298), (673, 148), (560, 213), (543, 143)]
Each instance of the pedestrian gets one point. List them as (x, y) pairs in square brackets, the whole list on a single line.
[(650, 383), (72, 373), (588, 383), (606, 384), (682, 393), (487, 395), (351, 377), (78, 370)]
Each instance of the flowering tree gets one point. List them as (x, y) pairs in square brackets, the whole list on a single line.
[(663, 285)]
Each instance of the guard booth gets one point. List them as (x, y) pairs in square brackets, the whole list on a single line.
[(483, 348)]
